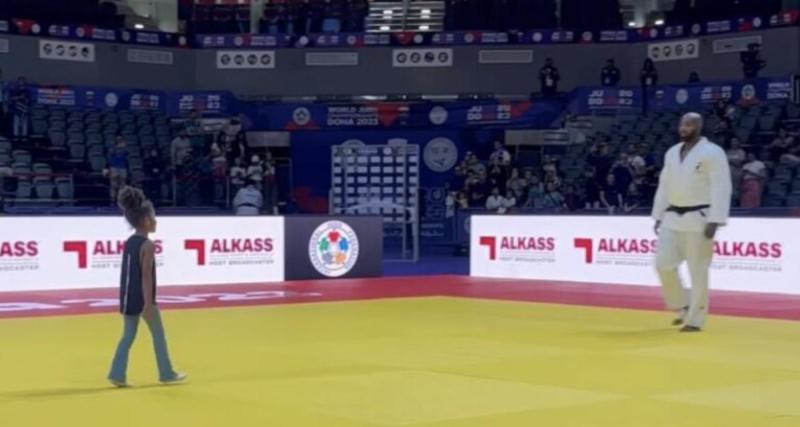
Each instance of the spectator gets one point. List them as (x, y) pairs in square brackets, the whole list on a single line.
[(509, 201), (634, 198), (238, 174), (179, 149), (610, 74), (255, 171), (153, 173), (20, 100), (649, 75), (591, 189), (779, 146), (478, 189), (497, 177), (752, 64), (736, 155), (552, 197), (754, 175), (462, 202), (500, 156), (600, 159), (118, 167), (623, 175), (268, 184), (516, 184), (571, 199), (694, 78), (548, 78), (474, 165), (194, 124), (792, 156), (536, 193), (459, 180), (248, 200), (610, 196), (495, 201), (219, 164)]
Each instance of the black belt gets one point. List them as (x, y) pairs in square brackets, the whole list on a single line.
[(681, 210)]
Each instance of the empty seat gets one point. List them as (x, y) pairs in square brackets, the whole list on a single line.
[(77, 151), (44, 188), (22, 156), (24, 190), (65, 188)]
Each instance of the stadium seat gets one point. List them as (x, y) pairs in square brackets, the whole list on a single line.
[(44, 188), (24, 190), (22, 157), (65, 188)]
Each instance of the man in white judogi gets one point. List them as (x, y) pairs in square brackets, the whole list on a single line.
[(692, 201)]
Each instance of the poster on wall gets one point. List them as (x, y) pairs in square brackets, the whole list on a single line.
[(59, 50), (422, 58), (674, 51), (245, 59)]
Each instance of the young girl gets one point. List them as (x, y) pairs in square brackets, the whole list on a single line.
[(138, 290)]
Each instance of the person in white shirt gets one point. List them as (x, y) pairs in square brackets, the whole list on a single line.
[(248, 200), (692, 201), (495, 201), (500, 156)]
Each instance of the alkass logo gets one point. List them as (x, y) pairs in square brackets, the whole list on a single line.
[(616, 250), (19, 255), (519, 248), (728, 254), (236, 251), (101, 254)]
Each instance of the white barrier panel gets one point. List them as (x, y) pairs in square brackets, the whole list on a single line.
[(38, 253), (751, 254)]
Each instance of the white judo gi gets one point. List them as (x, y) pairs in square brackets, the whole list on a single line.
[(702, 178)]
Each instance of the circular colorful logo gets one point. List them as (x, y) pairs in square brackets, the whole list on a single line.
[(333, 248)]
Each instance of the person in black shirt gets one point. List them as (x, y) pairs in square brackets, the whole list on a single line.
[(694, 78), (610, 195), (610, 75), (649, 75), (591, 189), (752, 64), (549, 77), (138, 290), (20, 102)]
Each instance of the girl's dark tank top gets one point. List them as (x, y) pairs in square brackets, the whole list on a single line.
[(131, 295)]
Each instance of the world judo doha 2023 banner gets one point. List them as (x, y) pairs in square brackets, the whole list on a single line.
[(751, 254), (38, 253)]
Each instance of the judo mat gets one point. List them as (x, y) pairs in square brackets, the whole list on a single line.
[(425, 351)]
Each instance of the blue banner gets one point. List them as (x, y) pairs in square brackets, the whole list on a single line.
[(92, 33), (603, 100), (388, 115)]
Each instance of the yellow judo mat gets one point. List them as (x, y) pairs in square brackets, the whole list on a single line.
[(407, 362)]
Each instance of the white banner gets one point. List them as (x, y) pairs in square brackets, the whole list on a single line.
[(38, 253), (436, 57), (751, 254), (60, 50), (245, 59), (674, 50)]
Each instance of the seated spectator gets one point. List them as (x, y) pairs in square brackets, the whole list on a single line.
[(516, 184), (634, 198), (194, 124), (118, 167), (754, 176), (474, 166), (599, 158), (238, 174), (623, 175), (497, 176), (552, 197), (572, 201), (459, 180), (591, 189), (495, 200), (255, 171), (779, 146), (792, 156), (509, 201), (610, 74), (611, 196), (536, 193), (462, 202), (736, 155), (248, 200)]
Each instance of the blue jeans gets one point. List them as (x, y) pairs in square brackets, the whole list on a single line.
[(119, 367)]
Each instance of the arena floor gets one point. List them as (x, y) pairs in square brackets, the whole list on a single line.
[(435, 351)]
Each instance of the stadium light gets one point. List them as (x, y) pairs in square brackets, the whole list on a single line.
[(424, 27), (632, 24), (385, 28), (139, 26), (659, 22)]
